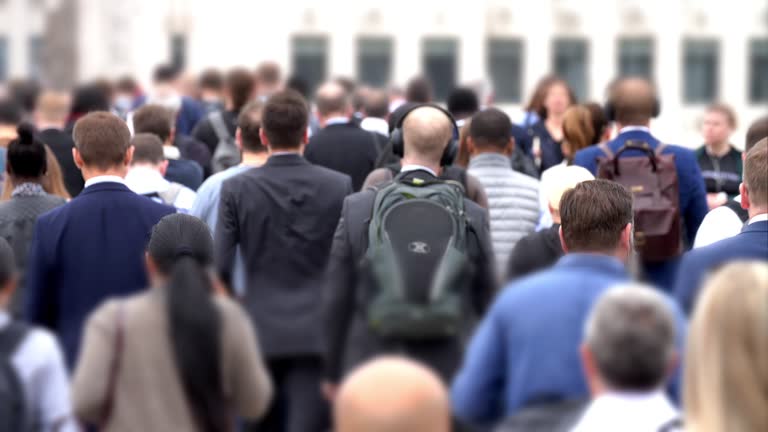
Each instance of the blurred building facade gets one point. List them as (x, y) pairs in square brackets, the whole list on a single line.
[(697, 51)]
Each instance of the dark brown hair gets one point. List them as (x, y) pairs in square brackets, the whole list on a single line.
[(491, 129), (536, 103), (102, 139), (757, 131), (268, 73), (285, 119), (418, 90), (154, 119), (756, 173), (147, 147), (594, 214), (599, 121), (211, 79), (249, 123), (239, 85)]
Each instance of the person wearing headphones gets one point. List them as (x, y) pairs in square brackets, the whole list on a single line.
[(427, 270), (632, 104)]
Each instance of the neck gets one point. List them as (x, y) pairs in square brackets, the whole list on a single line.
[(417, 161), (92, 172), (325, 118), (718, 149), (15, 181), (50, 124), (295, 150), (554, 119), (757, 211), (254, 159), (621, 126)]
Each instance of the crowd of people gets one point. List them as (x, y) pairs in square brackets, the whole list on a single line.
[(231, 252)]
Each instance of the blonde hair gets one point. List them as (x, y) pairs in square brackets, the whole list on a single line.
[(726, 367), (52, 182), (578, 129)]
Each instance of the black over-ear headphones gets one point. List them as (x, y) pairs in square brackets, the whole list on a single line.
[(610, 109), (398, 144)]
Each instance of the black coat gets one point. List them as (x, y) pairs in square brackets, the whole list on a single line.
[(344, 148), (350, 340), (61, 144), (282, 216), (534, 252)]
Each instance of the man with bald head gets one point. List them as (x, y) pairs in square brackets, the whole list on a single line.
[(341, 144), (392, 394), (351, 338), (632, 104)]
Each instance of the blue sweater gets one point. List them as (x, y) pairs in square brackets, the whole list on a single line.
[(527, 347), (693, 197)]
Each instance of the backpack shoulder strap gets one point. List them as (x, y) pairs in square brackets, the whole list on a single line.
[(660, 148), (603, 146), (169, 195), (219, 128), (11, 336)]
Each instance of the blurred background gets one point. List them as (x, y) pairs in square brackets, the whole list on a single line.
[(696, 51)]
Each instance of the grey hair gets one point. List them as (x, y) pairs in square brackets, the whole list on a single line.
[(631, 335)]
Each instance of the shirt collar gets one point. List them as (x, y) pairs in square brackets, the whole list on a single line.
[(495, 159), (594, 261), (645, 129), (336, 120), (607, 409), (759, 218), (413, 167), (28, 190), (104, 179)]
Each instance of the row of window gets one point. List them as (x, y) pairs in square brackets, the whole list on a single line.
[(505, 58), (35, 56)]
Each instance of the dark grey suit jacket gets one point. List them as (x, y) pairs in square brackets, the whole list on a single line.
[(282, 215), (350, 340)]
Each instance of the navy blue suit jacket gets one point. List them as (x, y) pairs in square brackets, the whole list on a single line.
[(750, 244), (84, 252), (693, 197)]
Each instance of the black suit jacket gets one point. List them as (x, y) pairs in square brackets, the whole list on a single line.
[(350, 340), (282, 216), (61, 145), (534, 252), (344, 148)]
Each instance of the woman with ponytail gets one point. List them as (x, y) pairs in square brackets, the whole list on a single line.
[(27, 167), (176, 357)]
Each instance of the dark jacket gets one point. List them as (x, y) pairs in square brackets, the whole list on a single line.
[(721, 174), (551, 153), (17, 223), (189, 113), (205, 133), (547, 417), (84, 252), (194, 150), (282, 216), (61, 145), (350, 340), (344, 148), (187, 172), (534, 252)]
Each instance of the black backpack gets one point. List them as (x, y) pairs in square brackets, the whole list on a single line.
[(13, 405)]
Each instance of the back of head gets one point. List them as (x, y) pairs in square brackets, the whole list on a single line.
[(565, 180), (418, 90), (491, 130), (578, 129), (299, 85), (630, 335), (332, 99), (181, 250), (89, 98), (463, 102), (376, 104), (25, 93), (756, 175), (165, 74), (126, 84), (426, 132), (154, 119), (268, 74), (148, 149), (594, 215), (7, 264), (757, 131), (249, 124), (239, 85), (599, 121), (211, 79), (536, 102), (10, 112), (284, 120), (102, 140), (392, 395), (53, 106), (26, 157), (726, 365), (634, 101)]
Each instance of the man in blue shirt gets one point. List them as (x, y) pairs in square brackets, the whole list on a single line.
[(526, 350), (632, 104)]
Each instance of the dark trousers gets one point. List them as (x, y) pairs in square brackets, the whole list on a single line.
[(298, 405)]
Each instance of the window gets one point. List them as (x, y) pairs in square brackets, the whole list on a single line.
[(374, 61), (178, 51), (3, 58), (636, 58), (505, 63), (310, 58), (35, 56), (570, 63), (758, 71), (700, 63), (439, 65)]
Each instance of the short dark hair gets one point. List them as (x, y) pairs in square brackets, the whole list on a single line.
[(102, 139), (147, 148), (599, 121), (211, 79), (285, 119), (376, 104), (25, 93), (268, 73), (299, 85), (418, 90), (757, 131), (491, 128), (26, 157), (7, 263), (756, 173), (239, 84), (463, 101), (126, 84), (154, 119), (594, 214), (633, 100), (165, 73), (89, 98), (249, 123), (10, 112)]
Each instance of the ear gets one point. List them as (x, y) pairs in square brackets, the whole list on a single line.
[(305, 138), (263, 137), (510, 147), (589, 367), (674, 363), (172, 136), (77, 158), (129, 156), (562, 240), (744, 196), (239, 138), (626, 238), (151, 266), (471, 147), (163, 167)]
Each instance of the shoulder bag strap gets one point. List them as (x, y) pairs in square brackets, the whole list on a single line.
[(114, 367), (605, 149), (10, 338), (219, 128), (660, 148)]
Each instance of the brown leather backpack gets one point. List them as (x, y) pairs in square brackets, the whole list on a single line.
[(652, 180)]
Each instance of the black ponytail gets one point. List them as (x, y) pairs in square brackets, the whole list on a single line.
[(26, 155), (182, 248)]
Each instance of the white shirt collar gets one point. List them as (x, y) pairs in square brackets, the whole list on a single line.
[(413, 167), (759, 218), (635, 128), (104, 179), (336, 120), (375, 124), (145, 180), (633, 411)]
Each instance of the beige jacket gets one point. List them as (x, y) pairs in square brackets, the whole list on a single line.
[(148, 393)]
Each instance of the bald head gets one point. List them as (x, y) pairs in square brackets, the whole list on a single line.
[(426, 131), (634, 101), (392, 395), (332, 100)]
